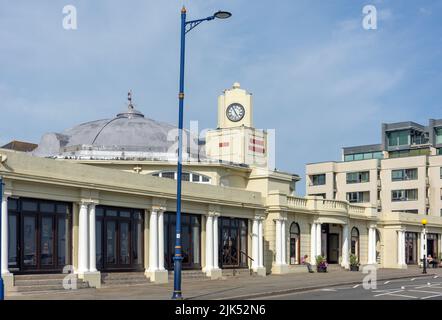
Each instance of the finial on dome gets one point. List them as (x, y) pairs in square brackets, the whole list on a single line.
[(129, 99), (183, 10), (236, 85)]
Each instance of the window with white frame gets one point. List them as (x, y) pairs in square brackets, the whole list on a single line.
[(186, 176)]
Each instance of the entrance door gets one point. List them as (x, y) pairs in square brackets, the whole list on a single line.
[(190, 240), (411, 248), (39, 235), (233, 243), (333, 248), (119, 239)]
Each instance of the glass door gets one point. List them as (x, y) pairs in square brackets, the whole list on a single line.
[(29, 232), (119, 233), (233, 243)]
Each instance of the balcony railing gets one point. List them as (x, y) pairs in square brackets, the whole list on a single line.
[(319, 204)]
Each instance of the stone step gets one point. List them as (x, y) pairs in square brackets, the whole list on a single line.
[(190, 275), (38, 282), (49, 276), (122, 276), (237, 272), (144, 281), (46, 287)]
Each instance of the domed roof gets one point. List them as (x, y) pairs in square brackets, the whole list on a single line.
[(130, 133)]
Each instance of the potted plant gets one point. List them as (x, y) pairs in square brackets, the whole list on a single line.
[(354, 262), (321, 264)]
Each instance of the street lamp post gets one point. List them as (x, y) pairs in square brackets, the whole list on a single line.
[(2, 285), (424, 245), (186, 26)]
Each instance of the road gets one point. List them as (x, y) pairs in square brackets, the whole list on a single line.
[(422, 288)]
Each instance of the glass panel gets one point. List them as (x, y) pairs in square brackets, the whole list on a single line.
[(12, 235), (169, 175), (348, 157), (243, 244), (12, 204), (111, 242), (62, 208), (185, 238), (206, 179), (378, 155), (125, 214), (47, 207), (359, 156), (439, 135), (195, 177), (195, 241), (47, 241), (63, 242), (98, 212), (98, 243), (29, 241), (368, 156), (185, 176), (111, 213), (138, 242), (124, 243), (29, 206)]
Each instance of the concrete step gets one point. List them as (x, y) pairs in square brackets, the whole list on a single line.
[(40, 282), (49, 276), (190, 275), (238, 272), (118, 279)]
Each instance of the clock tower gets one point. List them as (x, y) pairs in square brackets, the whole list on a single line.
[(235, 139), (235, 108)]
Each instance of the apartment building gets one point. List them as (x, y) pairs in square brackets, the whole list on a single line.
[(401, 177)]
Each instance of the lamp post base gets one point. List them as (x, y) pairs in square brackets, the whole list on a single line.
[(177, 295), (2, 290)]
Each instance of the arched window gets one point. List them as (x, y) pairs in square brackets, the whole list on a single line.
[(186, 176), (355, 241), (295, 244)]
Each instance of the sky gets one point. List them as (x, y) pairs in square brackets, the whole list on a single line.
[(317, 76)]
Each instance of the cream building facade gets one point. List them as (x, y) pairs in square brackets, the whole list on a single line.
[(100, 198), (401, 177)]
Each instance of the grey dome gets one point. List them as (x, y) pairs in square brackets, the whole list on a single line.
[(128, 135)]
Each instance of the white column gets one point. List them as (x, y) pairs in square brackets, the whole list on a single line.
[(255, 252), (153, 241), (374, 246), (161, 240), (423, 244), (283, 242), (278, 243), (83, 239), (371, 245), (318, 239), (370, 251), (4, 239), (345, 249), (209, 243), (401, 248), (313, 244), (260, 245), (215, 242), (92, 239)]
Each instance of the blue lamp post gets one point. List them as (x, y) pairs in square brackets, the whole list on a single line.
[(186, 26), (2, 286)]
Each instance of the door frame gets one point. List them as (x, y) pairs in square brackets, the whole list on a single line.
[(38, 215), (329, 236)]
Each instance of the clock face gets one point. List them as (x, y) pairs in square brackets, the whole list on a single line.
[(235, 112)]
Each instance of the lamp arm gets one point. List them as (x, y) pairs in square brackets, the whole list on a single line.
[(192, 24)]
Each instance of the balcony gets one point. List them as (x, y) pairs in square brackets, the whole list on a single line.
[(315, 204)]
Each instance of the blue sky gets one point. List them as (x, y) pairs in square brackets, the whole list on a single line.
[(318, 78)]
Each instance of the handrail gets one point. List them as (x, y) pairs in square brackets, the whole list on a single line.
[(246, 255)]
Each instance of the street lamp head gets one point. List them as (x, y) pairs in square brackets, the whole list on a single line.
[(424, 222), (222, 15)]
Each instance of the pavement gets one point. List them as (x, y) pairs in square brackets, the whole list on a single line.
[(422, 288), (246, 287)]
